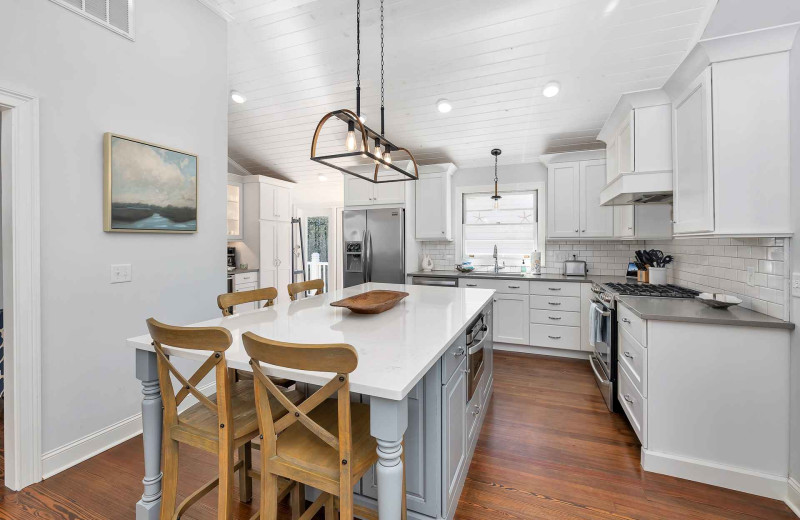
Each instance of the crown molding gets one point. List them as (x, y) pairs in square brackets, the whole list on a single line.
[(580, 155), (217, 10), (628, 102)]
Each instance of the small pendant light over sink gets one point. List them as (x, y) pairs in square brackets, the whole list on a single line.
[(359, 137), (496, 197)]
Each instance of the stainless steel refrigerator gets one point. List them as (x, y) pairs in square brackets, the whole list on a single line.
[(374, 246)]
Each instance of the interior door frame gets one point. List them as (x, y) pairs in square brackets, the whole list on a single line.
[(21, 232)]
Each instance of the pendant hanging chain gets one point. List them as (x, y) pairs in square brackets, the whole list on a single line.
[(382, 90), (358, 43), (495, 172)]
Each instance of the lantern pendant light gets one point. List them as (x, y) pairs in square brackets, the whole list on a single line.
[(496, 197), (381, 153)]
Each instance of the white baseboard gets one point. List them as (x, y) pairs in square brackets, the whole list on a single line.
[(73, 453), (793, 496), (730, 477), (542, 351)]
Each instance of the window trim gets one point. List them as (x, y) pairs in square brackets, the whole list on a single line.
[(541, 208)]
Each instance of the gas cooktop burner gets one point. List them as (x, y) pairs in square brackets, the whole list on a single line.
[(660, 291)]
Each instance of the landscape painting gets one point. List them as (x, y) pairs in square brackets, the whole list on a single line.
[(148, 188)]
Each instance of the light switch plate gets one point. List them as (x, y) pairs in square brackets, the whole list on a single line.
[(751, 276), (796, 285), (121, 273)]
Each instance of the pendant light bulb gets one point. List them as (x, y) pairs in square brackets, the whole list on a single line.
[(387, 156), (377, 152), (350, 142), (496, 204)]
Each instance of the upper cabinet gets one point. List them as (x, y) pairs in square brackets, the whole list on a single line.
[(358, 192), (573, 196), (234, 207), (433, 199), (731, 134), (643, 221), (275, 203)]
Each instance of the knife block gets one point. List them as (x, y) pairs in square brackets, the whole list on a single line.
[(643, 276)]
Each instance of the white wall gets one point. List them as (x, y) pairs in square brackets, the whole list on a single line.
[(168, 87), (736, 16), (794, 463)]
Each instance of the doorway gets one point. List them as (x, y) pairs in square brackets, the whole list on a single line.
[(322, 242)]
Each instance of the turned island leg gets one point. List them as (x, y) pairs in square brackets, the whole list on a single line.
[(149, 507), (388, 423)]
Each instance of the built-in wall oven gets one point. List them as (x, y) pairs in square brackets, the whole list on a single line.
[(477, 336), (604, 357)]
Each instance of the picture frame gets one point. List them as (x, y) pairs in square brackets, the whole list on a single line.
[(148, 188)]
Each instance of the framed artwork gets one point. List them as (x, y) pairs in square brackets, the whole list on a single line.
[(148, 188)]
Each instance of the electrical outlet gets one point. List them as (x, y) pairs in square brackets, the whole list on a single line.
[(121, 273), (796, 285), (751, 276)]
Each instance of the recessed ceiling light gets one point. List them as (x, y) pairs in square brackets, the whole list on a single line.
[(322, 178), (238, 97), (444, 106), (551, 89), (611, 6)]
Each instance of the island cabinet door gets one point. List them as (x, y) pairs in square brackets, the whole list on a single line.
[(511, 318), (454, 436), (422, 447)]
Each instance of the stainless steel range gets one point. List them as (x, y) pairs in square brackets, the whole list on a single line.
[(604, 359)]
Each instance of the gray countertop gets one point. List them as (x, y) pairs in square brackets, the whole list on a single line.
[(692, 311), (520, 276), (242, 271)]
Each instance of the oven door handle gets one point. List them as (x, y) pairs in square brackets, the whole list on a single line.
[(600, 377), (606, 314), (478, 346)]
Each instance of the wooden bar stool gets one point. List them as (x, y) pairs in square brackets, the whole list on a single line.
[(323, 443), (227, 300), (218, 424), (309, 285)]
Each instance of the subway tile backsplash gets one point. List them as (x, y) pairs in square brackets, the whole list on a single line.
[(703, 264)]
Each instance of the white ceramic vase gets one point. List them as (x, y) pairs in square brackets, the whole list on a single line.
[(427, 263)]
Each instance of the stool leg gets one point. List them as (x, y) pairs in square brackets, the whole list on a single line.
[(225, 500), (269, 495), (169, 481), (245, 482), (330, 509), (297, 500)]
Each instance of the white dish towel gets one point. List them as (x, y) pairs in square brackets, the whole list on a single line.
[(596, 324)]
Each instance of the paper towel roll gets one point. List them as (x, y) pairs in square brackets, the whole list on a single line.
[(536, 261)]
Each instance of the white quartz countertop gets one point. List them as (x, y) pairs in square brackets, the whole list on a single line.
[(395, 348)]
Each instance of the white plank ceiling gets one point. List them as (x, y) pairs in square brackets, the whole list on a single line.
[(295, 61)]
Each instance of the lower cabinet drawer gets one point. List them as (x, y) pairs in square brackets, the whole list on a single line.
[(556, 303), (634, 357), (568, 319), (452, 359), (245, 278), (634, 404), (245, 287), (555, 336)]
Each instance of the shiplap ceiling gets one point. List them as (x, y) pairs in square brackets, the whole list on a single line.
[(295, 61)]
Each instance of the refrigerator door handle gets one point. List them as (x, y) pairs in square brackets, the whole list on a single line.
[(364, 256), (369, 257)]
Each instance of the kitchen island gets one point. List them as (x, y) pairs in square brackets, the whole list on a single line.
[(412, 371)]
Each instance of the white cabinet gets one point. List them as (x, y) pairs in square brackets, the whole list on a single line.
[(596, 220), (275, 203), (624, 221), (693, 181), (433, 206), (573, 208), (276, 255), (454, 431), (511, 318), (234, 209), (643, 221), (625, 145), (358, 192)]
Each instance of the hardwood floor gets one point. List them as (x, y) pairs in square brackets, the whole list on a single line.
[(549, 449)]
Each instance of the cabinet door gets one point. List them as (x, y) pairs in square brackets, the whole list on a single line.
[(625, 145), (281, 204), (511, 318), (430, 207), (612, 168), (283, 277), (358, 192), (624, 221), (653, 221), (390, 192), (693, 181), (563, 200), (596, 220), (454, 434), (268, 254), (266, 201), (234, 211), (283, 245)]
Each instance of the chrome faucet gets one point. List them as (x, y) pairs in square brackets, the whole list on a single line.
[(497, 266)]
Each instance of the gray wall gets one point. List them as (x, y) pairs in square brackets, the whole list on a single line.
[(168, 87), (794, 464)]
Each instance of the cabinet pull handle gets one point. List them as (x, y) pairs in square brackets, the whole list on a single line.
[(576, 230), (583, 231), (554, 337), (628, 355), (477, 410), (472, 285), (627, 397), (513, 286), (553, 303), (553, 318), (626, 320), (554, 288), (459, 352)]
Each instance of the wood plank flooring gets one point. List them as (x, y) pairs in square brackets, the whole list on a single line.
[(549, 449)]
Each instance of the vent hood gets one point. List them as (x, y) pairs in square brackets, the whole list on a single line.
[(638, 188)]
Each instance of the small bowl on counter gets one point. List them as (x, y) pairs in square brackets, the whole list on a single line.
[(718, 300)]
